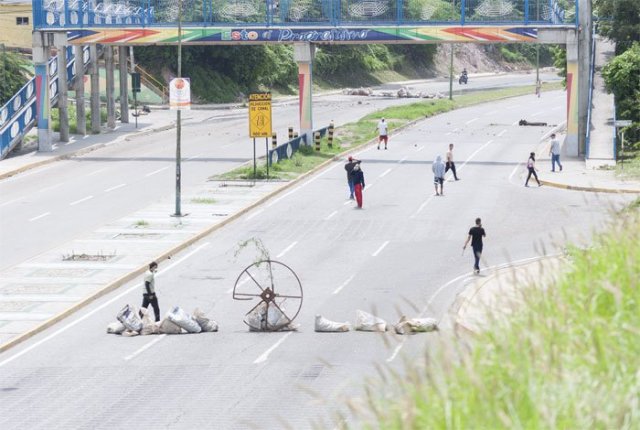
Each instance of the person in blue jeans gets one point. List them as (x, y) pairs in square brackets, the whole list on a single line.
[(476, 233), (349, 168), (554, 152)]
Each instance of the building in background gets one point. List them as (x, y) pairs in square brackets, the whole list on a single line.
[(16, 23)]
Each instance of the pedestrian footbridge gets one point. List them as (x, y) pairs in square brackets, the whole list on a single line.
[(96, 26)]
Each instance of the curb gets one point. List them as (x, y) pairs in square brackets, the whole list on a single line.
[(589, 189)]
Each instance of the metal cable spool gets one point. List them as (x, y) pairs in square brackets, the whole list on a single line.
[(278, 289)]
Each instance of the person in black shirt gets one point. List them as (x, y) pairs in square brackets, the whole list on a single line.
[(349, 168), (476, 234)]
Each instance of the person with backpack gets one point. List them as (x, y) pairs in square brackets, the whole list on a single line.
[(358, 183), (531, 166)]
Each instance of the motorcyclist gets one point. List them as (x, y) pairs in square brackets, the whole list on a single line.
[(463, 77)]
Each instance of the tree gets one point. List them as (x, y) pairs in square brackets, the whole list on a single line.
[(619, 21), (622, 78), (13, 75)]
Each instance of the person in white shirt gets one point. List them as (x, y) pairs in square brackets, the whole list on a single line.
[(149, 290), (382, 133), (554, 152), (531, 167)]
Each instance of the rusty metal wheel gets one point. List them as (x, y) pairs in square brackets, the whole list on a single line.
[(279, 291)]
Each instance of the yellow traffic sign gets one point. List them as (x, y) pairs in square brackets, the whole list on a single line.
[(260, 115)]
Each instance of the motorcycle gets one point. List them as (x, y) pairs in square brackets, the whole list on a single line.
[(463, 79)]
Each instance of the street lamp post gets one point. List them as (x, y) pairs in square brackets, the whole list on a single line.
[(178, 115)]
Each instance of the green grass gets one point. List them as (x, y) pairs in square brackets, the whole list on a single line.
[(628, 165), (141, 223), (203, 200), (355, 134), (567, 360)]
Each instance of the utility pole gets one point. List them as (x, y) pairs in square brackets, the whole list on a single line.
[(178, 212), (451, 75)]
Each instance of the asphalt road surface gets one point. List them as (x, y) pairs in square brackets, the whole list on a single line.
[(49, 206), (400, 254)]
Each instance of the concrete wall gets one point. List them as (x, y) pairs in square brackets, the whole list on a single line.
[(12, 34)]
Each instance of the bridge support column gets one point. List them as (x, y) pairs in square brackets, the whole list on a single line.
[(41, 54), (81, 118), (95, 90), (63, 86), (585, 35), (303, 55), (124, 85), (572, 141), (111, 101)]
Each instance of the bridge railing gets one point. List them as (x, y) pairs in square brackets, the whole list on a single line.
[(78, 14), (18, 115)]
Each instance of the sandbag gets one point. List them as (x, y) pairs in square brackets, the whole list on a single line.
[(258, 318), (116, 327), (178, 316), (129, 318), (149, 325), (205, 323), (167, 327), (324, 325), (129, 333), (415, 325), (367, 322)]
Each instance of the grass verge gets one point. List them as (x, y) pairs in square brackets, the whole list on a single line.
[(568, 360), (355, 134)]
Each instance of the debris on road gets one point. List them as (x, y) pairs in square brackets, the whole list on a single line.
[(268, 318), (538, 124), (116, 327), (368, 322), (179, 317), (324, 325), (129, 318), (206, 324), (134, 322), (415, 325)]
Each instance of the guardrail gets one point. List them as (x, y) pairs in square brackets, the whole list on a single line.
[(287, 149), (18, 115), (78, 14)]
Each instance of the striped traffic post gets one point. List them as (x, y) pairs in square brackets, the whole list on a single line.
[(290, 133), (330, 135), (274, 140), (316, 138)]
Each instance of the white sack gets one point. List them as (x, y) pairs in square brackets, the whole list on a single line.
[(257, 319), (327, 326), (149, 325), (129, 333), (367, 322), (178, 316), (205, 323), (415, 325), (129, 318), (116, 327), (167, 327)]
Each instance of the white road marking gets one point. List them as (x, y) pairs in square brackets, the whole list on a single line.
[(402, 160), (375, 254), (156, 171), (491, 113), (10, 201), (193, 158), (348, 202), (368, 187), (421, 148), (287, 249), (344, 284), (516, 123), (40, 216), (145, 347), (50, 187), (114, 188), (471, 120), (80, 201), (384, 173), (422, 206), (454, 280), (514, 171), (98, 309), (255, 213), (502, 132), (95, 172), (265, 355), (331, 215)]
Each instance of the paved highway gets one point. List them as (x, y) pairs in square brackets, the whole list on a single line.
[(400, 254), (50, 206)]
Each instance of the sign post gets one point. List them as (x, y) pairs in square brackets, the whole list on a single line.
[(619, 124), (135, 88), (260, 123)]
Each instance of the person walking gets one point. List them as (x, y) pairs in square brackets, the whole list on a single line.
[(149, 291), (531, 166), (382, 133), (438, 169), (554, 152), (358, 183), (349, 168), (450, 164), (476, 233)]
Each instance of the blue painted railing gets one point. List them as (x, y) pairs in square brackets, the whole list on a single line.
[(18, 115), (287, 149), (79, 14), (592, 70)]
